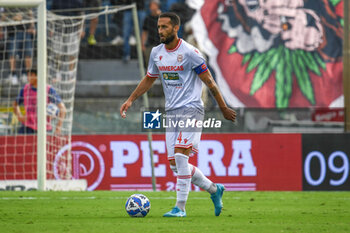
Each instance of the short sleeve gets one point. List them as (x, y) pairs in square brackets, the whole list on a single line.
[(152, 70), (54, 97), (197, 58)]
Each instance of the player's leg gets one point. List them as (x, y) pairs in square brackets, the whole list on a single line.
[(12, 44), (198, 178), (93, 22), (170, 143), (92, 30), (183, 181), (182, 184), (216, 190), (182, 149), (181, 191)]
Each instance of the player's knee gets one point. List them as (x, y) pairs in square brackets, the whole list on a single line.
[(183, 151), (172, 165), (172, 162)]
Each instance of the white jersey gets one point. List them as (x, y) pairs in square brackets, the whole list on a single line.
[(178, 69)]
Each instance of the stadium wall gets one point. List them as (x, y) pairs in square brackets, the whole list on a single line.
[(243, 162)]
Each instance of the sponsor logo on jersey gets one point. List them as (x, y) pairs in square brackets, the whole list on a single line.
[(170, 68), (174, 85), (171, 76), (180, 58)]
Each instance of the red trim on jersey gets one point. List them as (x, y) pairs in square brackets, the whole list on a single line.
[(152, 75), (186, 147), (184, 177), (183, 146), (193, 170), (174, 49)]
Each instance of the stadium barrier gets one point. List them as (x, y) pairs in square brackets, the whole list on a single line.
[(243, 162)]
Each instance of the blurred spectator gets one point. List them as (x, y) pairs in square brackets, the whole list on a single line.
[(150, 37), (167, 4), (128, 25), (20, 41), (184, 12), (118, 20), (93, 22), (27, 97)]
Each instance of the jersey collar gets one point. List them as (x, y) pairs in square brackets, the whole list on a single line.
[(174, 49)]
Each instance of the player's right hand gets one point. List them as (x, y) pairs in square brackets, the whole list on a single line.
[(124, 108)]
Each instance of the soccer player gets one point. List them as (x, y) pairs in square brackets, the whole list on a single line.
[(27, 97), (182, 70)]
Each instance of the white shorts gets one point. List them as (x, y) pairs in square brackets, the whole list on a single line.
[(183, 137)]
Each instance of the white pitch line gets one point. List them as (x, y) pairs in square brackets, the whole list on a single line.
[(99, 198), (133, 185)]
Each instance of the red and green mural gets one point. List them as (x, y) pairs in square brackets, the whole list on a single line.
[(272, 53)]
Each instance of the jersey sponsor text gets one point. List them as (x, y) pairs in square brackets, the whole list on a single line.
[(170, 68)]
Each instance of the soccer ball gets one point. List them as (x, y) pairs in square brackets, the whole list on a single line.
[(137, 205), (52, 110)]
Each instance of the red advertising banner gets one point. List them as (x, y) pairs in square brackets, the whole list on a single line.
[(328, 114), (18, 160), (240, 161), (245, 162)]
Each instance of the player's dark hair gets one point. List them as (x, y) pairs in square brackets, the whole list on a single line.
[(33, 71), (174, 18)]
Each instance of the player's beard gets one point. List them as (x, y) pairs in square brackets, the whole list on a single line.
[(168, 39)]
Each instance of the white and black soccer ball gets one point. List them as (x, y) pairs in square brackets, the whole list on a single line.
[(137, 205), (52, 110)]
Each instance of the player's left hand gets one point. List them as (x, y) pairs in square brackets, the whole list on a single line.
[(229, 113)]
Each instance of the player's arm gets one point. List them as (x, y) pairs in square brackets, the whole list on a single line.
[(227, 112), (16, 109), (61, 116), (145, 84), (17, 112)]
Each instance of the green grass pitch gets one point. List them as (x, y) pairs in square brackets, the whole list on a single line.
[(103, 211)]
